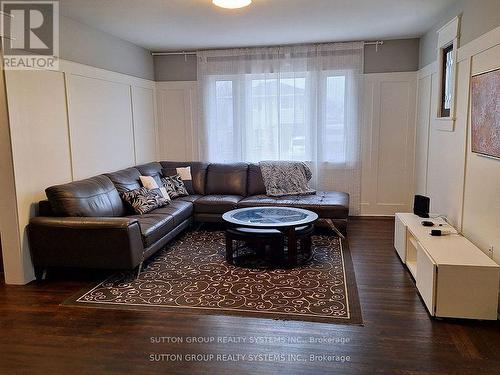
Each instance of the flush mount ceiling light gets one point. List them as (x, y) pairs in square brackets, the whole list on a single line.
[(232, 4)]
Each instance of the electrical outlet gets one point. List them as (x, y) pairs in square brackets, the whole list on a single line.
[(490, 251)]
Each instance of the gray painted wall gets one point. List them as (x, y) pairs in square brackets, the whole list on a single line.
[(175, 68), (478, 17), (83, 44), (399, 55)]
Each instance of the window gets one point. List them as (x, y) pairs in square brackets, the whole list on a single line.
[(297, 103), (447, 81), (274, 112), (334, 132), (447, 44), (224, 117)]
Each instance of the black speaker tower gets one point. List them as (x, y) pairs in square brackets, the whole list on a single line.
[(421, 206)]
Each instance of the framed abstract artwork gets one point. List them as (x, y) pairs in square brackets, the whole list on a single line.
[(485, 114)]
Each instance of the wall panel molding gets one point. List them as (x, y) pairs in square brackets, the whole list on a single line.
[(177, 111), (144, 120), (388, 143), (62, 131), (463, 185), (40, 150), (427, 70), (101, 126), (475, 47)]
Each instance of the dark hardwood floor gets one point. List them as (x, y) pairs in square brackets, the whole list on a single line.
[(38, 336)]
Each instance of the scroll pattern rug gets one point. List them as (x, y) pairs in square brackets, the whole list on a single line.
[(191, 274)]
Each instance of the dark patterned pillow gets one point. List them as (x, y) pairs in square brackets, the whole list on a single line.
[(169, 185), (181, 171), (175, 187), (144, 200)]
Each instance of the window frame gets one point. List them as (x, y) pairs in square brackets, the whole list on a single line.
[(448, 38), (446, 112)]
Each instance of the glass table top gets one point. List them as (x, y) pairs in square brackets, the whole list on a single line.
[(270, 217)]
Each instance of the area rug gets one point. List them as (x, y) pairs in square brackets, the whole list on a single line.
[(192, 275)]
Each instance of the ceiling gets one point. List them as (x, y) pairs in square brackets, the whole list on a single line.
[(172, 25)]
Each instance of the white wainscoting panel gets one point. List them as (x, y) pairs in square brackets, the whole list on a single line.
[(40, 147), (101, 130), (446, 157), (422, 133), (177, 120), (67, 125), (143, 109), (462, 185), (388, 143), (481, 212)]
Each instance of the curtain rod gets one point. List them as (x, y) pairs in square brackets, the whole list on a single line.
[(185, 53)]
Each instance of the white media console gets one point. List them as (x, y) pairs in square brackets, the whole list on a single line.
[(454, 278)]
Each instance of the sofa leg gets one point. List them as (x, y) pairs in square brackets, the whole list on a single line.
[(139, 269), (334, 228), (40, 273)]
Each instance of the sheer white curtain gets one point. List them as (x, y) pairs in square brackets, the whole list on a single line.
[(285, 103)]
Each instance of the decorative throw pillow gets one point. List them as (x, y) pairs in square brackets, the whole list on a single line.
[(143, 200), (150, 183), (175, 187), (170, 187), (186, 174)]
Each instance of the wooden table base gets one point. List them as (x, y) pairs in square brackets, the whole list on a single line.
[(296, 239)]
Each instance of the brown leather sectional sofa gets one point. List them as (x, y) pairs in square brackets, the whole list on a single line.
[(85, 224)]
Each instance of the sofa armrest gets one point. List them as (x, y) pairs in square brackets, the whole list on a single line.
[(84, 222), (86, 242)]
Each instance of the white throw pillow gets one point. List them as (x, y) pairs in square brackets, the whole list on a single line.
[(149, 183), (185, 173)]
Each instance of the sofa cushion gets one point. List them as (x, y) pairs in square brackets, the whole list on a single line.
[(198, 174), (179, 210), (255, 183), (327, 204), (149, 169), (126, 179), (154, 226), (96, 196), (216, 204), (189, 198), (229, 179)]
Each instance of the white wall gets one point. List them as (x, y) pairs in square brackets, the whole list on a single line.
[(462, 185), (9, 230), (478, 17), (481, 211), (440, 154), (67, 125), (388, 136)]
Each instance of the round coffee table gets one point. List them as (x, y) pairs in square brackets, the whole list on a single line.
[(271, 226)]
